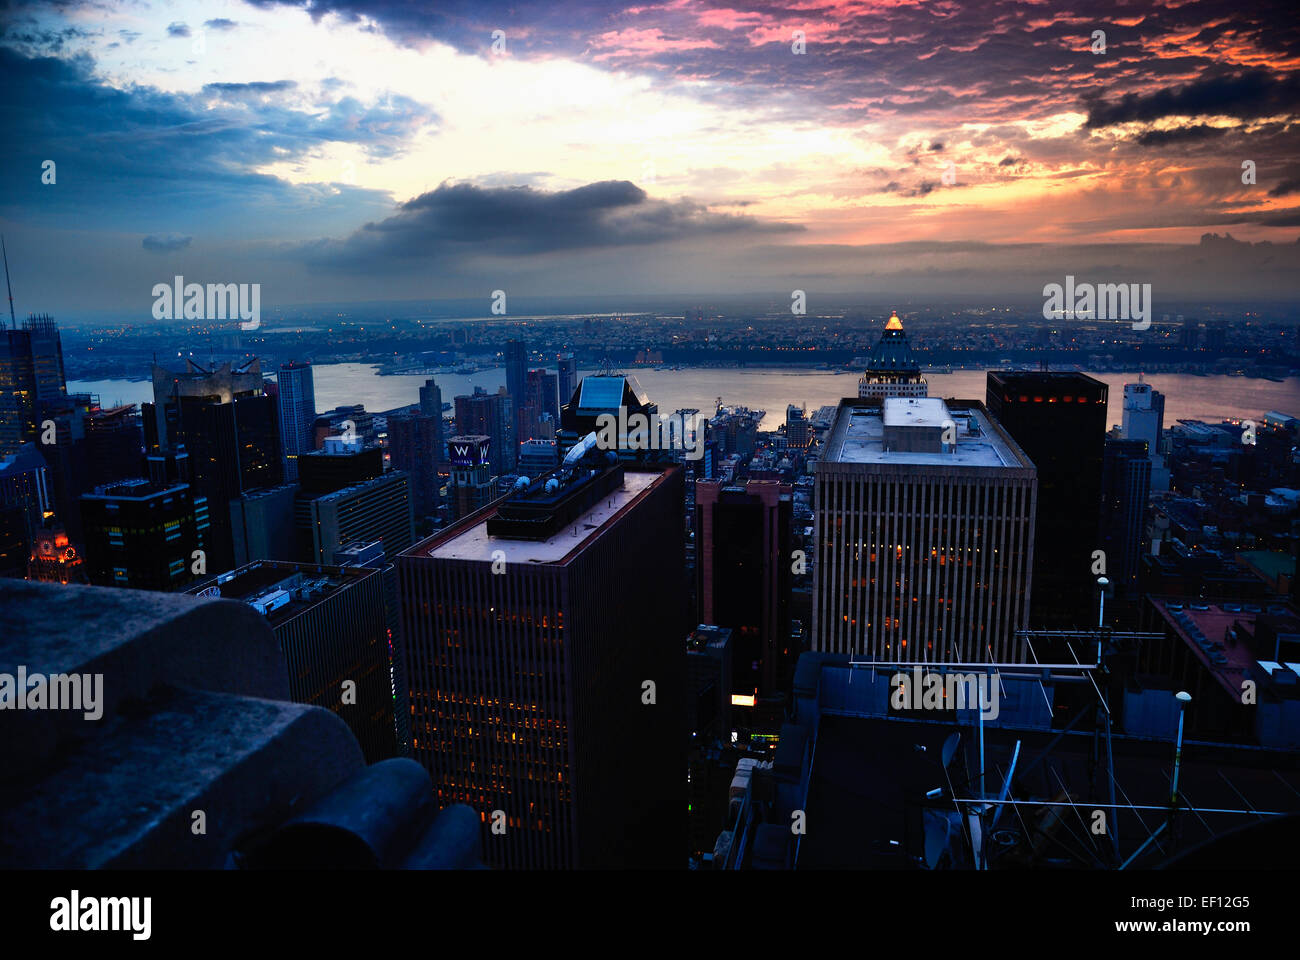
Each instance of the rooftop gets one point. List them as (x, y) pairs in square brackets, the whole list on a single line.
[(474, 543), (858, 434)]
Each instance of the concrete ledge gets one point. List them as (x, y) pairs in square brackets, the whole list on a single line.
[(138, 640)]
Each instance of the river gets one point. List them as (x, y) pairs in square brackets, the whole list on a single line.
[(1187, 397)]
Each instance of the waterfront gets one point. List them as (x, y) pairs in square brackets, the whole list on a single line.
[(1187, 397)]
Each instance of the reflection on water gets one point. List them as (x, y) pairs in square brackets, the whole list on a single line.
[(1187, 397)]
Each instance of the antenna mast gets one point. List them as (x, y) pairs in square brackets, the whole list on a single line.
[(8, 285)]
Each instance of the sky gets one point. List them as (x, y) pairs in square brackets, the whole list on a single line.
[(333, 150)]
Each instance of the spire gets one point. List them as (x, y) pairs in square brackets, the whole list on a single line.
[(7, 284), (893, 323)]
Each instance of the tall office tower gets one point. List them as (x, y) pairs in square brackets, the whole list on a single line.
[(144, 535), (114, 445), (891, 369), (516, 357), (1144, 419), (25, 506), (415, 445), (924, 515), (708, 717), (542, 394), (329, 622), (546, 683), (230, 429), (31, 373), (473, 484), (1059, 421), (527, 424), (566, 377), (1125, 488), (488, 415), (377, 509), (798, 431), (297, 396), (431, 400), (743, 573)]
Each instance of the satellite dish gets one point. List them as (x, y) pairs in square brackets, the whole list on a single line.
[(950, 748)]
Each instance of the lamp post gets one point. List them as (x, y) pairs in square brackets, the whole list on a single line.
[(1183, 698)]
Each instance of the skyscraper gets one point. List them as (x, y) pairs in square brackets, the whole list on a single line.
[(516, 360), (230, 430), (1125, 487), (743, 571), (542, 393), (415, 445), (1144, 419), (924, 515), (891, 369), (375, 509), (485, 414), (1059, 421), (566, 377), (545, 678), (31, 373), (297, 396), (145, 535)]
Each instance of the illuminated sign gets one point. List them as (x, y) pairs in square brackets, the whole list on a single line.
[(743, 700), (468, 451)]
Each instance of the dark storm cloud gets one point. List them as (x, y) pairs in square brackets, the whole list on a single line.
[(1286, 187), (1161, 138), (463, 219), (165, 243), (1253, 93)]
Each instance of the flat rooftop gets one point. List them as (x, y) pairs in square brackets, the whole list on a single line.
[(474, 543), (858, 435)]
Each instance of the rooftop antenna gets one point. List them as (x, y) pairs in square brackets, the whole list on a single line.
[(7, 284)]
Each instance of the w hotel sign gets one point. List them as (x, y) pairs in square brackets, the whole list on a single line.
[(468, 451)]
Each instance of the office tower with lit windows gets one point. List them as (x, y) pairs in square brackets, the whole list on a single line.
[(1125, 488), (798, 431), (743, 573), (376, 509), (924, 520), (892, 371), (222, 418), (543, 640), (31, 373), (144, 535), (330, 625), (1059, 421), (297, 399)]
